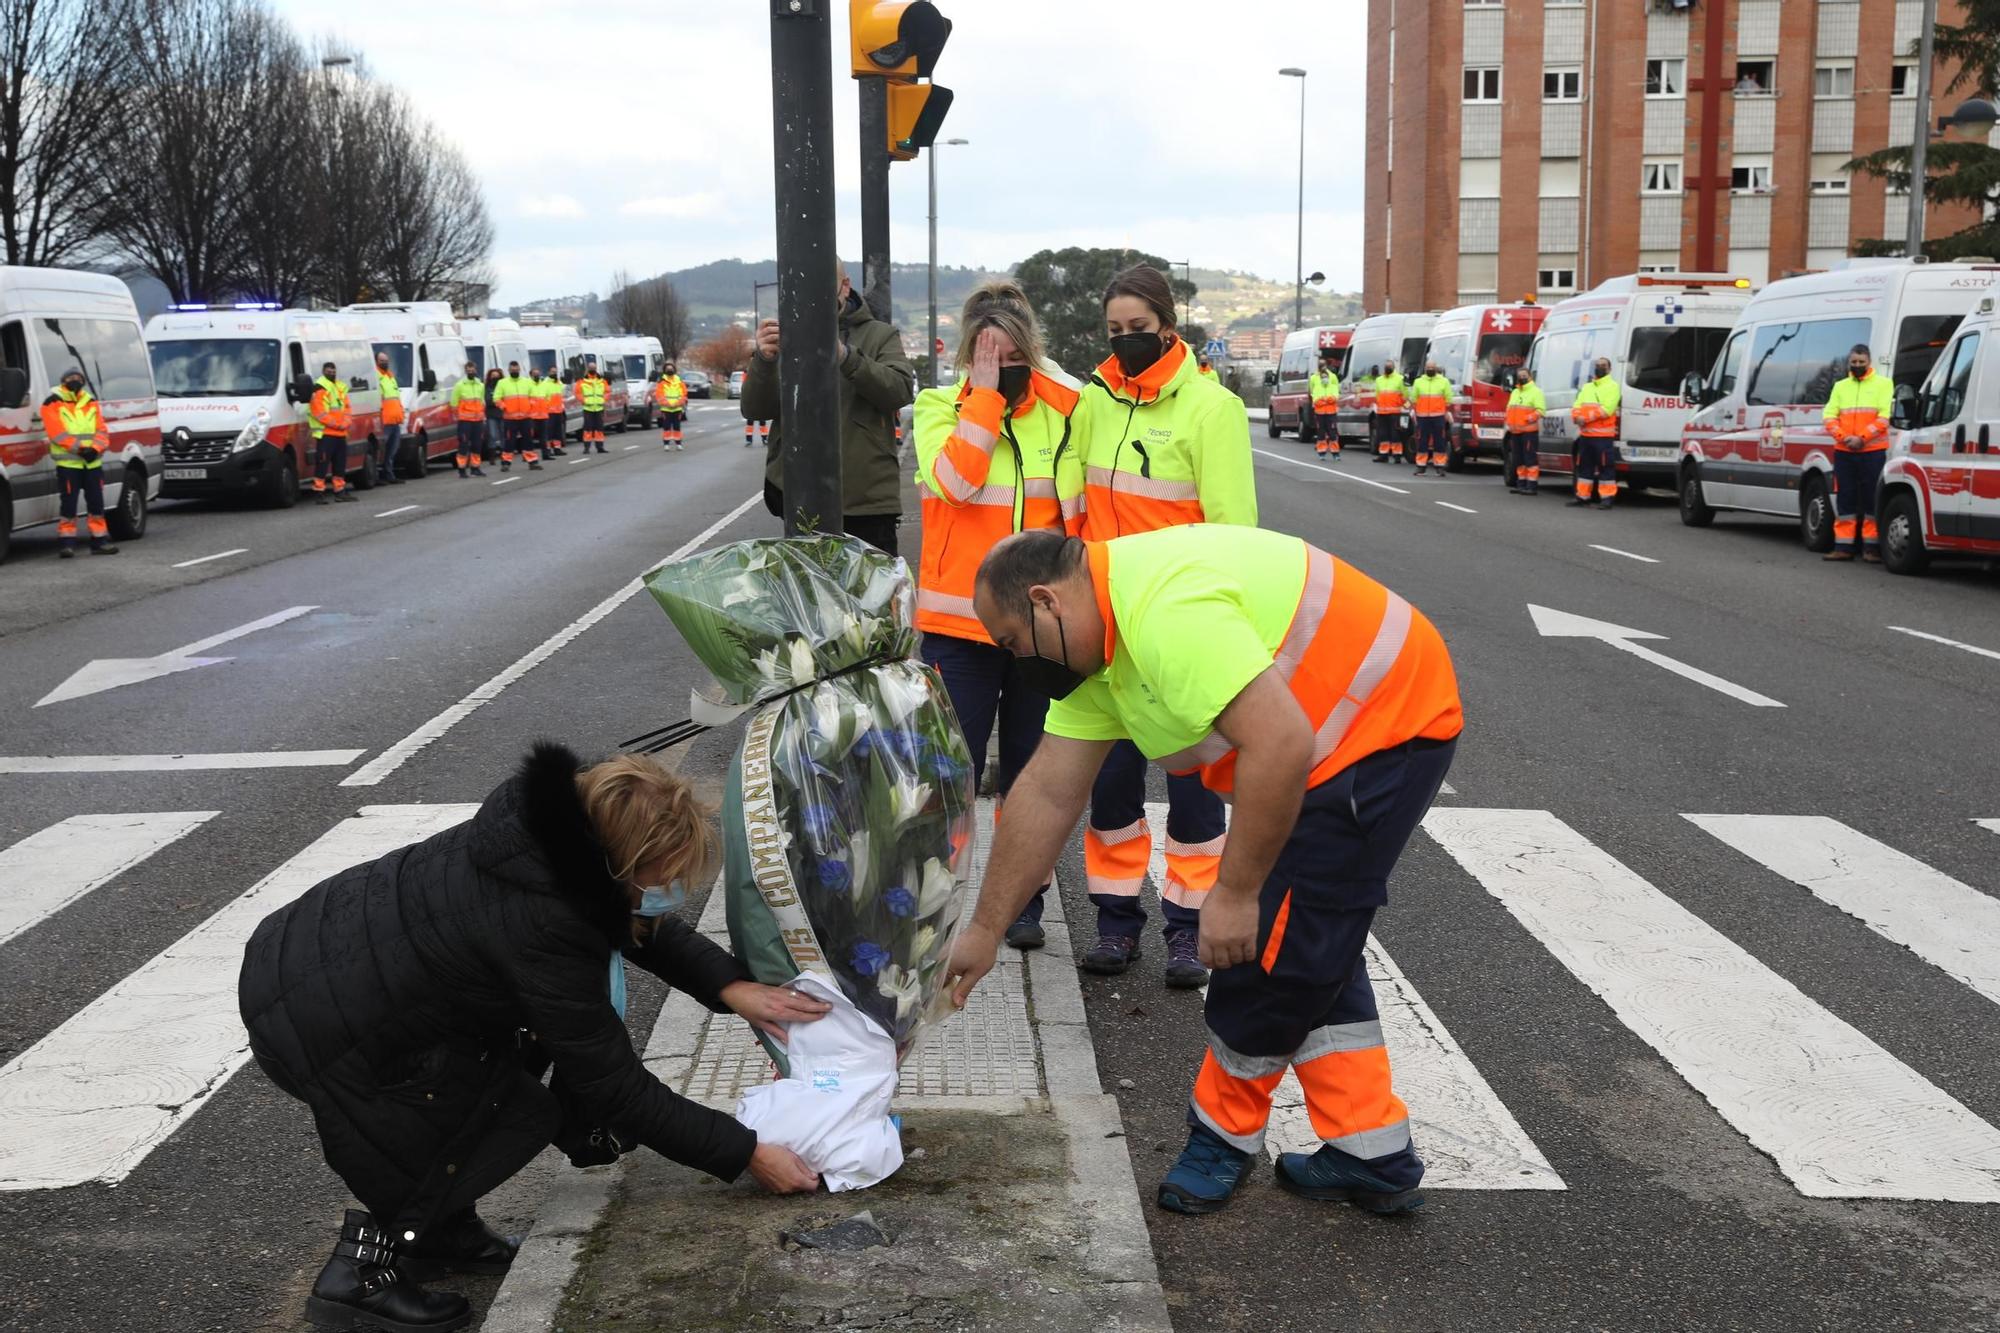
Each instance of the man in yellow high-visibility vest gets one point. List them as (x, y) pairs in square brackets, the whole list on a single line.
[(77, 440)]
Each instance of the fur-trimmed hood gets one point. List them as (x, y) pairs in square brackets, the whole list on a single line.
[(534, 831)]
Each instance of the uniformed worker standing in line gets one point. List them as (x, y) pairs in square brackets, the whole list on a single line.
[(592, 392), (330, 418), (1595, 413), (555, 418), (1857, 418), (468, 407), (1328, 708), (1389, 390), (74, 424), (1431, 408), (670, 395), (516, 396), (1525, 408), (496, 415), (392, 422), (1324, 389)]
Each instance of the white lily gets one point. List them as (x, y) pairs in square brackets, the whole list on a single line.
[(827, 714), (903, 691), (922, 942), (939, 890), (767, 665), (858, 866), (803, 667), (902, 985), (908, 799)]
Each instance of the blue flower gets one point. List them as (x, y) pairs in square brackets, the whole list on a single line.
[(864, 744), (906, 745), (868, 958), (946, 770), (822, 824), (834, 875), (900, 902)]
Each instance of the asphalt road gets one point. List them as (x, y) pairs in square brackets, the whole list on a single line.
[(1671, 1214)]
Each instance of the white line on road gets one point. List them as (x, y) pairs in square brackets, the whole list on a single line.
[(47, 871), (406, 509), (1555, 624), (1612, 550), (1990, 825), (401, 752), (89, 1101), (109, 673), (1950, 643), (1446, 504), (1841, 1117), (219, 555), (175, 763), (630, 447), (1331, 471), (1949, 925), (504, 480)]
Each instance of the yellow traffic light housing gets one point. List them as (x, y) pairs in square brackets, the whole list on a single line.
[(916, 111), (896, 39)]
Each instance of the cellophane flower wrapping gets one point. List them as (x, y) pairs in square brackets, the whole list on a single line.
[(848, 813)]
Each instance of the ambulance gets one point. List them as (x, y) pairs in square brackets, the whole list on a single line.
[(1478, 348), (1941, 482), (222, 370), (609, 357), (1379, 340), (642, 358), (1759, 444), (52, 319), (1291, 400), (426, 354), (494, 342), (1654, 328), (558, 349)]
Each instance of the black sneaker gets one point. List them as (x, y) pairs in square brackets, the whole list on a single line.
[(1184, 969), (103, 548), (1026, 934), (322, 498), (344, 498), (67, 553), (1604, 504), (1113, 954)]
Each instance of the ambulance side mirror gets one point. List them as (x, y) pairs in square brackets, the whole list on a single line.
[(1909, 407), (1694, 389), (1509, 380), (302, 388), (429, 383), (13, 386), (1271, 378)]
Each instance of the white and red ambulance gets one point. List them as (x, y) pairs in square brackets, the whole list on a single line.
[(557, 349), (1941, 483), (426, 354), (608, 356), (1478, 348), (1394, 340), (1298, 359)]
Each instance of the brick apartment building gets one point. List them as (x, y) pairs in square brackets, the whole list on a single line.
[(1544, 145)]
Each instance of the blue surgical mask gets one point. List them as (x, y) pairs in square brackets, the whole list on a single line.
[(655, 901)]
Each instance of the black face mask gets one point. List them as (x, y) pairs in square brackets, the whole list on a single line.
[(1053, 678), (1137, 352), (1014, 383), (74, 386)]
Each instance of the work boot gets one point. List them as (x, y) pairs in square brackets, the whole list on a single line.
[(344, 498), (478, 471), (1837, 554), (103, 548), (1184, 969), (361, 1288), (1332, 1176), (1026, 934), (506, 465), (534, 467), (322, 498), (1577, 501), (462, 1243), (1870, 558), (1605, 503), (68, 551), (1113, 954), (1207, 1173)]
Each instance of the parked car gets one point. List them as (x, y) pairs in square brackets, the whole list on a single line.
[(736, 383), (698, 383)]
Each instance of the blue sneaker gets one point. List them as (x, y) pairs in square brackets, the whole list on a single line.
[(1206, 1175), (1332, 1176)]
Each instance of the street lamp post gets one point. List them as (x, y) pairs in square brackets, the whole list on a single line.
[(932, 351), (1913, 241), (1299, 287)]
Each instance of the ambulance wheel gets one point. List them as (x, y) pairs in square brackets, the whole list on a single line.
[(623, 423), (128, 521), (416, 462), (366, 481), (1903, 536), (287, 493), (1696, 512), (1271, 426), (1454, 460), (1816, 516)]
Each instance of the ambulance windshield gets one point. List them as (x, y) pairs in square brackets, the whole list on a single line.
[(215, 367)]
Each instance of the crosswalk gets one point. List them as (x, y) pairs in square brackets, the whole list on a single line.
[(1838, 1113)]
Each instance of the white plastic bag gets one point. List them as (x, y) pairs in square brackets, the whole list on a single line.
[(834, 1109)]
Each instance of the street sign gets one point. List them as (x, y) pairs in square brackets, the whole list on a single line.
[(938, 350), (1216, 348)]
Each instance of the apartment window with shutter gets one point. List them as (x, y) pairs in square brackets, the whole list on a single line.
[(1482, 84), (1562, 85), (1833, 80), (1666, 77), (1903, 79), (1661, 176)]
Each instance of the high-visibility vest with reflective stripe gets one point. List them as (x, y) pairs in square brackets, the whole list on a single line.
[(468, 399), (671, 393), (1859, 410), (1525, 407), (1368, 670), (1163, 448), (555, 396), (1595, 411), (1432, 394), (71, 421), (1324, 386), (392, 399), (538, 400), (513, 393), (1389, 393), (329, 412), (983, 475), (591, 391)]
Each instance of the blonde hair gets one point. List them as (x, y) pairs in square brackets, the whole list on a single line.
[(645, 816), (1001, 305)]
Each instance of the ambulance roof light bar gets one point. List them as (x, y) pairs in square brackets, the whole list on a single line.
[(1686, 280)]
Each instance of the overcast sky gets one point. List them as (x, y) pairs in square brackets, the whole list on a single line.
[(1162, 124)]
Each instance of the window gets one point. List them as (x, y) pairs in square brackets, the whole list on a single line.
[(1754, 77), (1833, 80), (1661, 177), (1482, 84), (1663, 355), (110, 352), (399, 362), (1449, 353), (1556, 279), (1562, 85), (216, 367), (1918, 343), (1479, 178), (542, 359), (1413, 356), (1832, 185), (1903, 79), (1750, 178), (1295, 363), (1666, 78), (1796, 364), (1948, 403), (1729, 366), (1473, 4), (1658, 268), (1498, 354)]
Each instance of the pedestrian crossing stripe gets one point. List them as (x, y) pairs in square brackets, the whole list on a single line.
[(1840, 1116)]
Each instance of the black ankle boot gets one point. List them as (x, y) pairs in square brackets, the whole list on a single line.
[(459, 1244), (361, 1288)]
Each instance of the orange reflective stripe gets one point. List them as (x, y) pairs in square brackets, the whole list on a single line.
[(1520, 420), (1115, 860), (1272, 946), (1237, 1109), (1350, 1100), (1389, 401), (1430, 405)]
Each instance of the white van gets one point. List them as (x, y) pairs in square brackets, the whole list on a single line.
[(1379, 340), (608, 355), (1291, 382), (426, 354), (558, 349), (218, 367), (52, 319), (1758, 442), (643, 358), (1654, 328), (493, 342), (1941, 481)]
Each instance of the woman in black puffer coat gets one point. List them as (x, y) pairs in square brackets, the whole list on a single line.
[(413, 1003)]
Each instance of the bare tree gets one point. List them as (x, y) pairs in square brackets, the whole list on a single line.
[(63, 86), (437, 234), (651, 307), (353, 125)]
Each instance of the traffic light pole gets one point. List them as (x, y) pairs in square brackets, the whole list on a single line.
[(808, 281), (875, 196)]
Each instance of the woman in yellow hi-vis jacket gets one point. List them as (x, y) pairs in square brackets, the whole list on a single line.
[(1162, 445), (994, 457)]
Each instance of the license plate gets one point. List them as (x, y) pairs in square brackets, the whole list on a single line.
[(1490, 432), (186, 474), (1652, 451)]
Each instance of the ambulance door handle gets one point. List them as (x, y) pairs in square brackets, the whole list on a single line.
[(1984, 442), (1958, 438)]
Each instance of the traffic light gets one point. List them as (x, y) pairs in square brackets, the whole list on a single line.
[(894, 40), (916, 111)]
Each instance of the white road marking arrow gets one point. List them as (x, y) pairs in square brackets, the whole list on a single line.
[(1563, 625), (108, 673)]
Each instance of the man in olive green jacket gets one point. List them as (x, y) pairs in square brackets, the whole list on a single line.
[(877, 382)]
